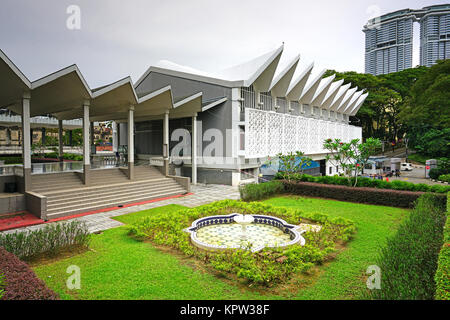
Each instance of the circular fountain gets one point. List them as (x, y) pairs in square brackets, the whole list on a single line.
[(237, 231)]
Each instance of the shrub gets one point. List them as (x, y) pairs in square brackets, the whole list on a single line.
[(442, 276), (394, 198), (444, 178), (2, 285), (369, 183), (254, 192), (264, 267), (11, 160), (49, 239), (408, 263), (21, 282), (436, 173)]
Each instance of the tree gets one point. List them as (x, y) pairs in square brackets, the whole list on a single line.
[(292, 163), (351, 157)]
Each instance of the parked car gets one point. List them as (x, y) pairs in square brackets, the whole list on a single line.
[(406, 167)]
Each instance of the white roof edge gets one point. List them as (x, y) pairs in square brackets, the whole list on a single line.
[(191, 76), (188, 99), (284, 72), (350, 93), (213, 104), (61, 73), (334, 91), (115, 85), (300, 78), (361, 100), (260, 71), (15, 69), (328, 81), (317, 79), (340, 95), (353, 101), (155, 93)]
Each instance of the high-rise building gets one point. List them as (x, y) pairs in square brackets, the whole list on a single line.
[(435, 35), (389, 39)]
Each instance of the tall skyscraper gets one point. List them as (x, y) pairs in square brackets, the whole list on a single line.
[(389, 39), (435, 35)]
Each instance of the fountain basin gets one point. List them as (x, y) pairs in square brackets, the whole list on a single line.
[(218, 233)]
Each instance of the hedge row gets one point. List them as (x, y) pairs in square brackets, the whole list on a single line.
[(442, 276), (393, 198), (21, 282), (50, 239), (255, 192), (409, 261), (368, 183)]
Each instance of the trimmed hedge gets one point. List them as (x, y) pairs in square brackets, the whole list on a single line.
[(49, 239), (409, 261), (442, 276), (369, 183), (444, 178), (255, 192), (392, 198), (21, 282)]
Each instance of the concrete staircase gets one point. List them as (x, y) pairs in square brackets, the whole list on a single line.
[(66, 195)]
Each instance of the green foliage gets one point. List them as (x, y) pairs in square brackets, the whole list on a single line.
[(369, 183), (265, 267), (255, 192), (293, 163), (11, 160), (442, 276), (409, 261), (352, 156), (2, 285), (444, 178), (66, 156), (431, 142), (50, 239)]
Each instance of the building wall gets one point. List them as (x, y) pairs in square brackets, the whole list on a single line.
[(435, 38)]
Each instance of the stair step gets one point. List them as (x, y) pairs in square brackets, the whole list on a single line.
[(70, 198), (57, 214), (85, 189)]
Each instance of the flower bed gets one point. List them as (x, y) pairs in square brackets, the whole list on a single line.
[(21, 283), (265, 267)]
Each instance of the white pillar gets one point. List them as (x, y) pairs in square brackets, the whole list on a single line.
[(26, 141), (131, 143), (60, 140), (115, 137), (86, 143), (194, 149), (166, 142)]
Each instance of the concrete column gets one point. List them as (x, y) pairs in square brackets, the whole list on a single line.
[(194, 149), (86, 144), (44, 135), (115, 136), (166, 143), (92, 139), (26, 141), (60, 140), (131, 143), (8, 136)]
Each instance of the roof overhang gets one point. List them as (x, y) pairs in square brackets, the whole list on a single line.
[(322, 91), (340, 97), (281, 83), (310, 90), (359, 104), (353, 102), (332, 93), (347, 99), (214, 103), (295, 90), (13, 83)]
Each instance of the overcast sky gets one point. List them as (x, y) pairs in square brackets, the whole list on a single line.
[(118, 38)]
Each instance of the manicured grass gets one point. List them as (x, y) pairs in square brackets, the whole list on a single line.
[(119, 267), (344, 278)]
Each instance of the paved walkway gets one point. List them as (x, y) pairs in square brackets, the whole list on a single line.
[(201, 195)]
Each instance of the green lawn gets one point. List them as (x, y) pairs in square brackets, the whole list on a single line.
[(118, 267)]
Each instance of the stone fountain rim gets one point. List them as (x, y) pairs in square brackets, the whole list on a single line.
[(192, 230)]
